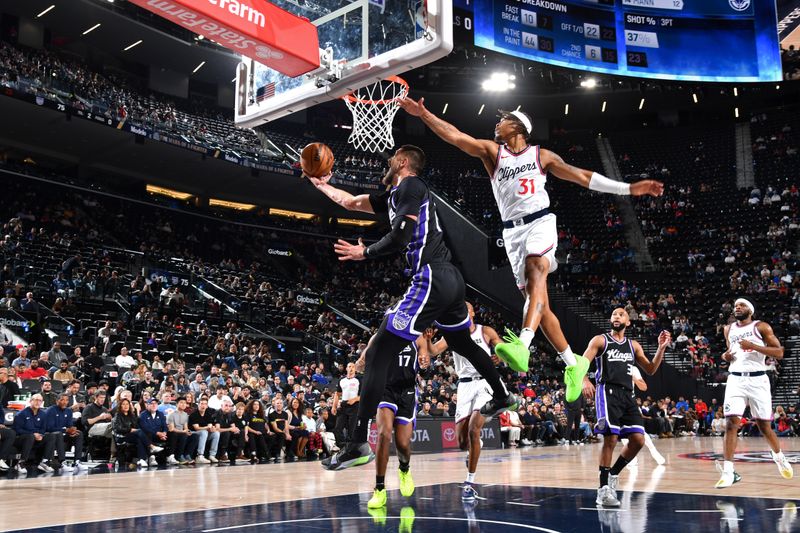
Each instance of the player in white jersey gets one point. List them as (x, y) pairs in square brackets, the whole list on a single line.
[(472, 394), (518, 173), (749, 342)]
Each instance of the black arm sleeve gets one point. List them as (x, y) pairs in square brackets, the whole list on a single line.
[(395, 240), (379, 202)]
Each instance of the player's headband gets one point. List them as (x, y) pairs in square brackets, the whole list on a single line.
[(522, 117), (747, 304)]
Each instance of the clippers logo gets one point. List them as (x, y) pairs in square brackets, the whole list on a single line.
[(401, 320), (739, 5), (509, 173)]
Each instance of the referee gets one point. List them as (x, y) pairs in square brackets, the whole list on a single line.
[(347, 391)]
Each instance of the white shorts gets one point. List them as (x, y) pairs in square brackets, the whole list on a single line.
[(539, 238), (471, 397), (742, 391)]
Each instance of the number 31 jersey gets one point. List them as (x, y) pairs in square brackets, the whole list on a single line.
[(518, 183)]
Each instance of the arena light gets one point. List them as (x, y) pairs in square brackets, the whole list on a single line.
[(46, 11), (735, 91), (216, 202), (603, 109), (566, 109), (90, 30), (778, 87), (290, 214), (694, 97), (355, 222), (499, 82), (641, 104), (132, 45), (481, 109), (444, 110), (590, 83), (736, 112), (171, 193), (198, 67)]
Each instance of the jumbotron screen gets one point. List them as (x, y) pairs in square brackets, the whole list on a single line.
[(693, 40)]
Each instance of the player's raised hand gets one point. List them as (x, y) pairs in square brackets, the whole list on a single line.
[(664, 339), (412, 107), (644, 187), (349, 252), (316, 182), (429, 333)]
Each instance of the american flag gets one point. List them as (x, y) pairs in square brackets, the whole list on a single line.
[(267, 91)]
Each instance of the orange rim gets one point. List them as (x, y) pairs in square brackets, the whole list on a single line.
[(394, 79)]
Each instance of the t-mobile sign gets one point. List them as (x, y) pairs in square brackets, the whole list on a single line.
[(254, 28)]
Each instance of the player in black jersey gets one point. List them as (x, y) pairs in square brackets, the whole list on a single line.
[(397, 410), (435, 295), (617, 412)]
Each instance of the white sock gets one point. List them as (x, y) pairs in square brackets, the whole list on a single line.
[(727, 466), (471, 477), (526, 336), (777, 456), (567, 356)]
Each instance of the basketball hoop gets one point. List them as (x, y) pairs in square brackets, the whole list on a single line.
[(374, 108)]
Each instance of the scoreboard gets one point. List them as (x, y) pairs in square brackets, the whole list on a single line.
[(693, 40)]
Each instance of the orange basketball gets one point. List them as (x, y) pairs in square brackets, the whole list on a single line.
[(316, 159)]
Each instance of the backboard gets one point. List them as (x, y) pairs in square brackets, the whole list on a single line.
[(361, 42)]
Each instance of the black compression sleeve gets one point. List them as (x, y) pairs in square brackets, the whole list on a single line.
[(395, 240)]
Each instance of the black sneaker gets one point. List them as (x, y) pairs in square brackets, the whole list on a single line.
[(353, 454), (495, 406)]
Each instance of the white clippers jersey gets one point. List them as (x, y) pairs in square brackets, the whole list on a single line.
[(518, 183), (464, 368), (746, 360)]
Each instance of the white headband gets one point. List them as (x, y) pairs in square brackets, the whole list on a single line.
[(747, 304), (524, 119)]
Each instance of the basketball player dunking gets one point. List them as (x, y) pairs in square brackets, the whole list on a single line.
[(435, 296), (518, 173), (473, 393), (617, 412), (749, 342)]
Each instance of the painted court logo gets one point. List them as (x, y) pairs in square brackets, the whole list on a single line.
[(744, 457), (739, 5)]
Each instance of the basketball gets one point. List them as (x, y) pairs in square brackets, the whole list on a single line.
[(316, 159)]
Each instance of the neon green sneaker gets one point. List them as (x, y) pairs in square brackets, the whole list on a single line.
[(378, 499), (378, 515), (407, 516), (406, 483), (513, 352), (573, 377)]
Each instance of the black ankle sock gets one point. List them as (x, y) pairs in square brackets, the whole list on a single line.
[(380, 482), (619, 465), (404, 466), (361, 431), (604, 471)]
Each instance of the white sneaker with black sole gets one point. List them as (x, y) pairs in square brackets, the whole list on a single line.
[(141, 463), (21, 469)]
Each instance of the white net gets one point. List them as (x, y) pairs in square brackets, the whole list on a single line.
[(374, 108)]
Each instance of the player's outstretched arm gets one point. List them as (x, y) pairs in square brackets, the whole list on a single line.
[(596, 346), (773, 346), (553, 163), (664, 339), (481, 148), (343, 198)]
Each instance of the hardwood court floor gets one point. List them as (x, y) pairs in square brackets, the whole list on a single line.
[(45, 502)]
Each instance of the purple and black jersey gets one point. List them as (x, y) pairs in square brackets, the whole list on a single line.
[(412, 197)]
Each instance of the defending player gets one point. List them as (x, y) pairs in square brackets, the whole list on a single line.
[(749, 342), (617, 412), (518, 174), (435, 295), (473, 393), (397, 410)]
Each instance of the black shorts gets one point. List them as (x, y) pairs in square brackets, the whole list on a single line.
[(434, 297), (403, 401), (617, 412)]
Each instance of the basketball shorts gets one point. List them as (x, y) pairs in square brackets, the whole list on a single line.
[(402, 400), (539, 238), (743, 391), (617, 412), (472, 395), (434, 297)]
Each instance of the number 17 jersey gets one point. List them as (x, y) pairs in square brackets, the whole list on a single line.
[(519, 182)]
